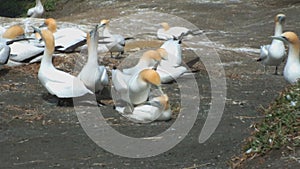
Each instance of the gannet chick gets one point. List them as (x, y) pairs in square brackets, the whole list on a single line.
[(148, 60), (291, 70), (93, 76), (274, 54), (117, 42), (157, 108), (57, 82), (4, 53), (66, 39), (168, 32), (13, 32), (37, 11)]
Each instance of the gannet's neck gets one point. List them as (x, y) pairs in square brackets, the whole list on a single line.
[(294, 51), (278, 29), (47, 59), (92, 52), (106, 31), (38, 2), (101, 31), (49, 48)]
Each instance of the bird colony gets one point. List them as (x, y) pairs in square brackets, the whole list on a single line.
[(137, 91)]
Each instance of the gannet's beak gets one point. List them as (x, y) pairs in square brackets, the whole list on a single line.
[(156, 65), (160, 90), (43, 25), (281, 19), (281, 38), (36, 30), (104, 42), (101, 25)]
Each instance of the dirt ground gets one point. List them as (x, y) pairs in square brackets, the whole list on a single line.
[(36, 133)]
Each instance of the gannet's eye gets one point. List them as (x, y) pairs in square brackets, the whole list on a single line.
[(285, 38)]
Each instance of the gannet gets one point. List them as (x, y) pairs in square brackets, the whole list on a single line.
[(291, 70), (168, 32), (66, 39), (57, 82), (173, 49), (140, 83), (169, 69), (274, 54), (37, 11), (4, 53), (148, 60), (158, 108), (22, 51), (134, 89), (117, 42), (22, 48), (169, 73), (13, 32), (93, 76), (120, 91)]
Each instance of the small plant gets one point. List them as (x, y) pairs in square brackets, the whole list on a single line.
[(49, 5), (281, 125)]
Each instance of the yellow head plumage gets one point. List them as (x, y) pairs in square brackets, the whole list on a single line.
[(163, 53), (104, 22), (13, 32), (164, 100), (165, 25), (51, 24), (150, 76), (291, 37), (151, 54), (280, 18), (48, 38)]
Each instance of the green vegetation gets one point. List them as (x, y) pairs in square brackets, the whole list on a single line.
[(49, 5), (15, 8), (281, 125)]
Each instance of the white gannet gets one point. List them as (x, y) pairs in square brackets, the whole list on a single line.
[(13, 32), (134, 89), (169, 73), (168, 32), (169, 69), (57, 82), (25, 50), (291, 70), (93, 76), (4, 53), (37, 11), (158, 108), (66, 39), (140, 83), (120, 91), (173, 49), (130, 91), (148, 60), (274, 54), (22, 48), (117, 42)]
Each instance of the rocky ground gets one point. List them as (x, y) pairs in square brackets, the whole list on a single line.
[(36, 133)]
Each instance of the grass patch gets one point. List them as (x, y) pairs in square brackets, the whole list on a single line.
[(49, 5), (279, 128)]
